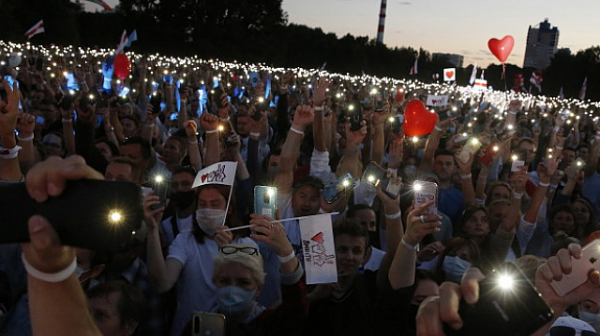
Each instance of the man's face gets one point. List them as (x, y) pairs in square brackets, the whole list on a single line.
[(106, 316), (53, 145), (367, 219), (134, 152), (211, 198), (568, 156), (182, 182), (36, 98), (306, 201), (444, 167), (129, 128), (116, 171), (243, 125), (583, 152), (172, 152), (350, 253), (50, 113), (528, 148)]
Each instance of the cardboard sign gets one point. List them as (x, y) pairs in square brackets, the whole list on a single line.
[(318, 249), (218, 173), (450, 75), (435, 100)]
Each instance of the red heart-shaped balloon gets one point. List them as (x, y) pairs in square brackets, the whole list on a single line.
[(501, 48), (417, 119), (121, 66)]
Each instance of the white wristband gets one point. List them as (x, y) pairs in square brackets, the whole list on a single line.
[(466, 177), (287, 258), (285, 87), (65, 120), (437, 128), (29, 138), (408, 246), (9, 153), (225, 119), (558, 147), (211, 131), (318, 108), (296, 131), (49, 277), (517, 195), (255, 134), (542, 184), (394, 216)]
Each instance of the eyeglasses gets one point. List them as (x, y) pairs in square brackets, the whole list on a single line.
[(232, 249), (568, 331)]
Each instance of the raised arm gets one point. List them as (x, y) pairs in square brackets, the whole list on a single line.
[(25, 127), (210, 125), (433, 141), (9, 162), (193, 144)]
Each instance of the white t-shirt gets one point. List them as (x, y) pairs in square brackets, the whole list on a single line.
[(374, 260), (195, 289), (183, 225)]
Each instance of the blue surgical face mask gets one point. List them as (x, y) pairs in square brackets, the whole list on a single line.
[(233, 300), (455, 267), (591, 319), (451, 129)]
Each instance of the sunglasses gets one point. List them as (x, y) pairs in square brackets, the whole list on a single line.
[(232, 249), (568, 331)]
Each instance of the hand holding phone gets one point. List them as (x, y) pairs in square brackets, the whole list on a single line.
[(581, 268), (265, 201)]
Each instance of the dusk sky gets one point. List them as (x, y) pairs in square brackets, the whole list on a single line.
[(451, 26)]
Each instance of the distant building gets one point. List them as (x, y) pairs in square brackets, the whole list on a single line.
[(454, 59), (542, 43)]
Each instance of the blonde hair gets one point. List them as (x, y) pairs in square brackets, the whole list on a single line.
[(253, 262)]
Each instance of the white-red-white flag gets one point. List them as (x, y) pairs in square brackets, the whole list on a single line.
[(122, 43), (583, 89), (473, 74), (561, 93), (37, 28), (415, 68), (536, 79)]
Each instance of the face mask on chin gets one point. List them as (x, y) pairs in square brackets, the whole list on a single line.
[(210, 220)]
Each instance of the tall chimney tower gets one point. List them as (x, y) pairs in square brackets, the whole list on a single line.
[(381, 21)]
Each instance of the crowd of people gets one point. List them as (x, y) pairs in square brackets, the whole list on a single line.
[(516, 179)]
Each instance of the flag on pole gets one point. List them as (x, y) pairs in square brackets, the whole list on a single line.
[(218, 173), (122, 43), (37, 28), (132, 38), (414, 70), (102, 3), (473, 75), (583, 89), (482, 74), (561, 93), (536, 80), (318, 249)]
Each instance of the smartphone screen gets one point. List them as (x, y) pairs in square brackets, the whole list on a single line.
[(265, 201), (208, 324), (71, 81), (374, 174), (334, 190)]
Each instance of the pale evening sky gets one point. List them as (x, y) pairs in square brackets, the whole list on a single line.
[(450, 26)]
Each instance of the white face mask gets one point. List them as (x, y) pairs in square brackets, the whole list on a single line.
[(210, 220), (591, 319), (455, 267)]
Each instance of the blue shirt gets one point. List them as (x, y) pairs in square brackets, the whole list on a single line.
[(451, 202)]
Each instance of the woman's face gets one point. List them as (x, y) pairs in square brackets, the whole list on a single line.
[(477, 225), (581, 212), (236, 274), (563, 221), (499, 192)]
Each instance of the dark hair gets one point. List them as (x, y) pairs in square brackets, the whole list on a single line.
[(351, 213), (146, 148), (136, 171), (443, 152), (453, 245), (184, 169), (494, 186), (563, 208), (114, 150), (351, 227), (591, 225), (132, 117), (182, 143), (132, 303), (231, 219), (469, 212)]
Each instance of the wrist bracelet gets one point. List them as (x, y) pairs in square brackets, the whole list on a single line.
[(193, 142), (287, 258), (65, 120), (296, 131), (225, 119), (29, 138), (542, 184), (255, 134), (211, 131), (9, 153), (517, 195), (49, 277), (285, 87), (408, 246), (558, 147), (466, 176), (394, 216), (437, 128), (555, 129), (318, 108), (149, 125)]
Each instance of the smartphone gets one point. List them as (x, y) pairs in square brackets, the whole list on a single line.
[(204, 324), (580, 163), (111, 211), (71, 81), (217, 96), (355, 119), (66, 102), (379, 102), (398, 123), (161, 187), (265, 201), (509, 304), (488, 154), (11, 81), (567, 128), (469, 148), (589, 261), (334, 190), (374, 174), (426, 191), (519, 158), (156, 100), (254, 79), (85, 101)]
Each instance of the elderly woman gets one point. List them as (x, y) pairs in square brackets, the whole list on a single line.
[(239, 276)]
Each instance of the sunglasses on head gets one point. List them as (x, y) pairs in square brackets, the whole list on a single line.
[(233, 249), (568, 331)]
